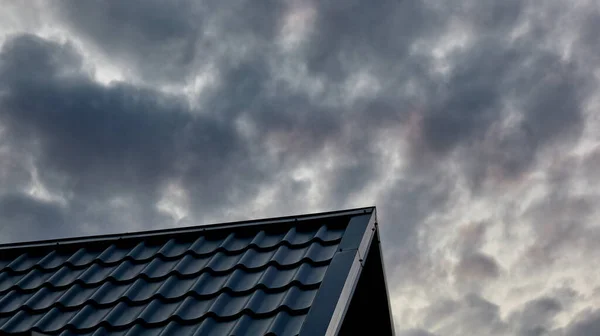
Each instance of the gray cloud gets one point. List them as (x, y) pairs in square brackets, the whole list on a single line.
[(98, 142), (586, 325), (160, 41), (478, 266), (474, 314), (561, 219), (465, 106), (427, 109), (536, 317), (24, 216), (473, 108), (415, 332), (470, 314)]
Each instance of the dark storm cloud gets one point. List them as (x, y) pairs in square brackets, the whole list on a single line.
[(14, 170), (536, 317), (489, 71), (104, 141), (487, 77), (169, 40), (109, 150), (84, 126), (244, 75), (461, 110), (586, 324), (405, 205), (471, 100), (587, 37), (24, 216), (356, 32)]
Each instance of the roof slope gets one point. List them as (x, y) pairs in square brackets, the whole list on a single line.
[(247, 278)]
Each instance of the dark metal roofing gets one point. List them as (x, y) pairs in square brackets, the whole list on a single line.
[(284, 276)]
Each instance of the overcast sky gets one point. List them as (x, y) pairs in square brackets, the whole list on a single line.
[(472, 125)]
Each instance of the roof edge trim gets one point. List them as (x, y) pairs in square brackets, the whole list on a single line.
[(368, 234), (345, 297), (385, 283), (341, 279), (188, 229)]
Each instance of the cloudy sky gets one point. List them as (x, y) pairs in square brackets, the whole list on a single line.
[(470, 124)]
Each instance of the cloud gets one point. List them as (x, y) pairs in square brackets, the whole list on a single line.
[(478, 266), (474, 108), (98, 142), (23, 215), (470, 124), (469, 314), (536, 317), (161, 42), (415, 332), (586, 325), (475, 314)]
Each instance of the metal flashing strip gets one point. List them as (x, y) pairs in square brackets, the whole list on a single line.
[(336, 291), (359, 234), (345, 297), (391, 317)]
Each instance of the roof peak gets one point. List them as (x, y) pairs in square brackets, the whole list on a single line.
[(297, 275)]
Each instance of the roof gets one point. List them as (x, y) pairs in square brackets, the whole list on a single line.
[(282, 276)]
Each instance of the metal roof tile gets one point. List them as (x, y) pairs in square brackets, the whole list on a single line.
[(264, 240), (23, 262), (81, 258)]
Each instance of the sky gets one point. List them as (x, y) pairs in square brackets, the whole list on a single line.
[(470, 124)]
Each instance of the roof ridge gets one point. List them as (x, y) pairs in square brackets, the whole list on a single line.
[(187, 229)]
